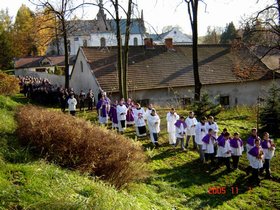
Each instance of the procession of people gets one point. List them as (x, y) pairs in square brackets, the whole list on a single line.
[(218, 148)]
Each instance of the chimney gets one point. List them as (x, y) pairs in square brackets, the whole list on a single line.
[(169, 44), (148, 43)]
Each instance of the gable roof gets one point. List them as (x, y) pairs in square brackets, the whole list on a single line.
[(171, 33), (30, 62), (160, 68)]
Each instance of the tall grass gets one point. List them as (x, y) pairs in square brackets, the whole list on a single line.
[(76, 143)]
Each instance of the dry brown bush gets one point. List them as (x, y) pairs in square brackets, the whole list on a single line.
[(9, 85), (76, 143)]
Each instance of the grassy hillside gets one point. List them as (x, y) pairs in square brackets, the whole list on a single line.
[(27, 182), (178, 180)]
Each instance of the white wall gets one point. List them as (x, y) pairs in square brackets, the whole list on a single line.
[(243, 93), (83, 80)]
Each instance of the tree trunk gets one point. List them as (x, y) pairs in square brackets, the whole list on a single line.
[(197, 82), (126, 49), (119, 58), (66, 56)]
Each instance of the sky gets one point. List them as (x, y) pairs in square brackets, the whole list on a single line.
[(160, 13)]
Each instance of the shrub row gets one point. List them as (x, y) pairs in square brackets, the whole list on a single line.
[(9, 85), (77, 144)]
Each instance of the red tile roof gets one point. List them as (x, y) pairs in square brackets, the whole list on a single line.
[(29, 62), (160, 68)]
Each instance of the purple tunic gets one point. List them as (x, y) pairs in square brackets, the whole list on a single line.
[(234, 144), (220, 137), (222, 142), (255, 151), (179, 122), (102, 104), (113, 114), (129, 115), (251, 140), (264, 143), (206, 139)]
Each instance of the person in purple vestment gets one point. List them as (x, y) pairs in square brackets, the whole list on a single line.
[(224, 150), (236, 145), (256, 160), (103, 108), (251, 139), (208, 145), (268, 149), (250, 144), (113, 115), (180, 127), (129, 116), (222, 135)]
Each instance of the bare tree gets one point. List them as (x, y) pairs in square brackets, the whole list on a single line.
[(122, 53), (263, 28), (192, 12), (62, 10)]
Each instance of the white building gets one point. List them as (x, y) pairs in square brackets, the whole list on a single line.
[(178, 37), (163, 74), (100, 32)]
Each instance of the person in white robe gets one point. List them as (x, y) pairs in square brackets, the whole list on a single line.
[(200, 132), (154, 126), (213, 125), (256, 160), (171, 119), (268, 149), (140, 124), (224, 150), (148, 111), (191, 123), (237, 148), (181, 127), (208, 145), (121, 115), (72, 103)]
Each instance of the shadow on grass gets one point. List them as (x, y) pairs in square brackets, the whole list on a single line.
[(13, 152)]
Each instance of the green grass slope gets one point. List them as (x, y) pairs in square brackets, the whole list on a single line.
[(29, 183), (178, 179)]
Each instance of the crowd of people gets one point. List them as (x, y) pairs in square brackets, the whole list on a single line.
[(38, 89), (219, 149), (42, 91)]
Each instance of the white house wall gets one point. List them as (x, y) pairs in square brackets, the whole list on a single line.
[(111, 39), (76, 42), (243, 93), (83, 80), (177, 37)]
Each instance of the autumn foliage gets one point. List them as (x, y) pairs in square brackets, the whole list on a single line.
[(77, 144), (9, 85)]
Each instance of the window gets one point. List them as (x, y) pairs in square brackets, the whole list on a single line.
[(135, 41), (185, 101), (224, 100), (103, 42), (85, 43), (82, 66)]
